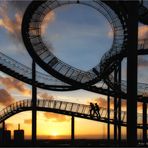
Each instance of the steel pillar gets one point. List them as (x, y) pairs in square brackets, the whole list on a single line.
[(3, 132), (72, 129), (108, 113), (34, 100), (115, 108), (132, 40), (144, 123), (119, 106)]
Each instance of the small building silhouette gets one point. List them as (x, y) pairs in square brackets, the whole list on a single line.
[(5, 135), (1, 134), (19, 135)]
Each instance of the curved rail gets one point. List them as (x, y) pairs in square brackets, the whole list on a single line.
[(31, 33), (24, 73), (66, 108)]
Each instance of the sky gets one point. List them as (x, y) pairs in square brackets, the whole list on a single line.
[(79, 36)]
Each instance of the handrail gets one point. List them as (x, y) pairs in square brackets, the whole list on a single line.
[(66, 108)]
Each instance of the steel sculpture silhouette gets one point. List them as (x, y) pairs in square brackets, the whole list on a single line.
[(107, 72)]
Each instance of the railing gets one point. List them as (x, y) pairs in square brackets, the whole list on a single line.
[(44, 81), (67, 108), (143, 44), (49, 80), (27, 72)]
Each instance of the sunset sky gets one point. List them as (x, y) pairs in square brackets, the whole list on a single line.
[(79, 36)]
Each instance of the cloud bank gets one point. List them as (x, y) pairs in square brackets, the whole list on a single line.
[(5, 98), (14, 84)]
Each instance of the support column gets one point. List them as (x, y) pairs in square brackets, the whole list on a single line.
[(119, 106), (115, 108), (144, 122), (72, 129), (34, 100), (3, 132), (108, 112), (132, 39)]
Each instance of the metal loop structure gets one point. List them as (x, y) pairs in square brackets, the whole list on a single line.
[(99, 79), (24, 73), (143, 14), (65, 108), (31, 32)]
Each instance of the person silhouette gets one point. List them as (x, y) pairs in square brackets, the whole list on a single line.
[(97, 110), (92, 109)]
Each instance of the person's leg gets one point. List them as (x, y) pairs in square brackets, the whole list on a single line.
[(99, 114), (91, 110), (94, 112)]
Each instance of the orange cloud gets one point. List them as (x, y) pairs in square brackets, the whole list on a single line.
[(9, 126), (100, 101), (14, 84), (5, 98), (46, 96), (103, 103), (110, 34), (55, 117), (13, 26), (50, 17), (143, 32), (27, 121)]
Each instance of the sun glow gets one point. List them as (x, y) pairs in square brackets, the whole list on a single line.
[(54, 134)]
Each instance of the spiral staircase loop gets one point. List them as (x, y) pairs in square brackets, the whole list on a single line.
[(31, 31)]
